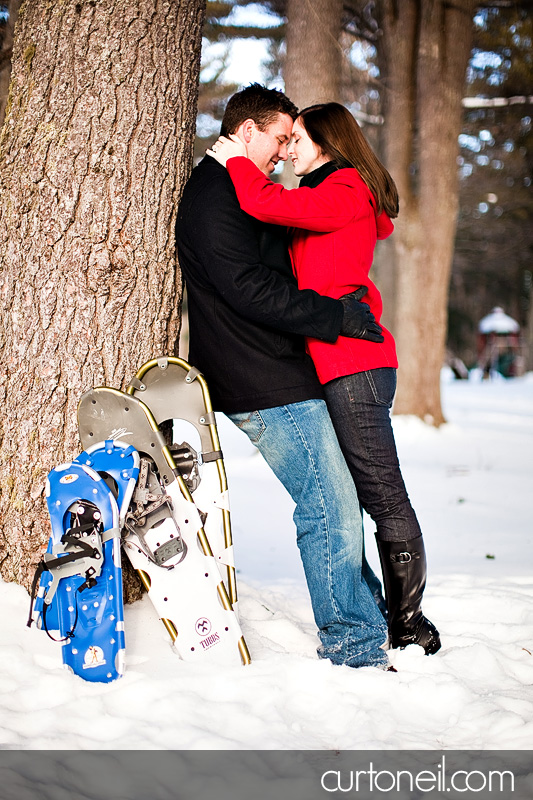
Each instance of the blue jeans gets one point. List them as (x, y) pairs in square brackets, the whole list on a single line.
[(299, 444), (359, 406)]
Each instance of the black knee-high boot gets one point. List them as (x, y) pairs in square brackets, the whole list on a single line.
[(404, 577)]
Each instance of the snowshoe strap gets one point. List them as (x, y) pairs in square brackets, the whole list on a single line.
[(112, 533), (214, 455), (88, 584), (87, 560), (69, 634), (41, 567), (79, 562)]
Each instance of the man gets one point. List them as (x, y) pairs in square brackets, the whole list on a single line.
[(247, 320)]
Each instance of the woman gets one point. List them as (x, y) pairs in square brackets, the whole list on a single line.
[(345, 202)]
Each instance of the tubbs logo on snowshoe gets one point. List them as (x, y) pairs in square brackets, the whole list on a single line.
[(94, 657), (203, 626), (210, 641), (70, 478)]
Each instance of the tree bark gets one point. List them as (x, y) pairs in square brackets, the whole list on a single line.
[(96, 146), (6, 51), (425, 50), (312, 68)]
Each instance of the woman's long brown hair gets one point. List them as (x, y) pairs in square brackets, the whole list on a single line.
[(337, 134)]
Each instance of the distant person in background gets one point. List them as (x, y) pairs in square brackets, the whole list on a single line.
[(344, 204)]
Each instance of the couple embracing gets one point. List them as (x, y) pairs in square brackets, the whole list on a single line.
[(297, 359)]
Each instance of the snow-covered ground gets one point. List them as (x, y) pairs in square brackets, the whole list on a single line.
[(471, 483)]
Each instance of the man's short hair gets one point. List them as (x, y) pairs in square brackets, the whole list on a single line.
[(258, 103)]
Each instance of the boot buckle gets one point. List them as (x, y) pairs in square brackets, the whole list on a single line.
[(403, 558)]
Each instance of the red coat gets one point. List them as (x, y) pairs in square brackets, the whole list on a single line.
[(332, 247)]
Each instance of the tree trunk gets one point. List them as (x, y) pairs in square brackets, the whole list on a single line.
[(312, 68), (96, 146), (425, 50), (6, 52)]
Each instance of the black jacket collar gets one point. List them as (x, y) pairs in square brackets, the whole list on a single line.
[(314, 178)]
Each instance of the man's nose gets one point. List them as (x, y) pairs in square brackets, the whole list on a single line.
[(283, 153)]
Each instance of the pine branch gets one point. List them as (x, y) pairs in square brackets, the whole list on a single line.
[(215, 31)]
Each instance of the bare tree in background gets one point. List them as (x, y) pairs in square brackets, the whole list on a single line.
[(95, 148), (312, 68), (424, 55)]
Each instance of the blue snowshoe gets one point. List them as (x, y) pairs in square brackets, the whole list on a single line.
[(80, 575)]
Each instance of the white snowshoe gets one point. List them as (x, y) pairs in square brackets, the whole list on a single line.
[(164, 536)]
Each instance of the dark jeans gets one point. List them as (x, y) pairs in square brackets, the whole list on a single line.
[(359, 406)]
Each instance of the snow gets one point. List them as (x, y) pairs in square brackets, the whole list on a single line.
[(471, 485)]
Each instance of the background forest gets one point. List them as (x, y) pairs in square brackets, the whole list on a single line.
[(245, 41), (492, 260)]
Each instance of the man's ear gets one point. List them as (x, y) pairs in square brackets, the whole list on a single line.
[(246, 130)]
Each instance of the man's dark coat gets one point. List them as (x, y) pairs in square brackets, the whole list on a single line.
[(247, 317)]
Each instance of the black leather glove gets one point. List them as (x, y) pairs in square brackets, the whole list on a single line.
[(358, 321)]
